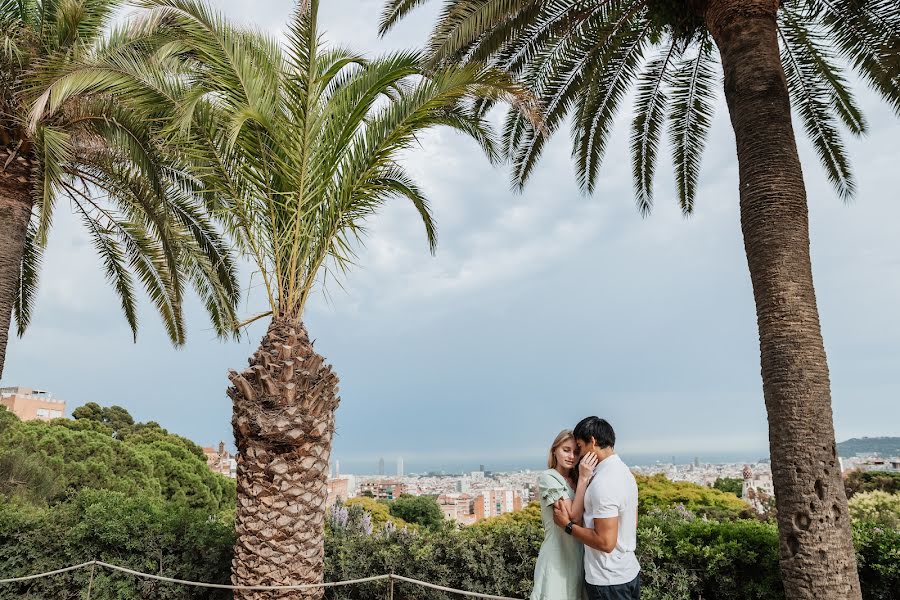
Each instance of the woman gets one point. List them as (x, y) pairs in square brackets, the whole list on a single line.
[(559, 572)]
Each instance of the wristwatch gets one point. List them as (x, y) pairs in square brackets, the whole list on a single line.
[(569, 527)]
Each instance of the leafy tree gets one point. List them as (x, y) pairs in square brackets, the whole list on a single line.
[(731, 485), (104, 153), (657, 492), (295, 145), (121, 425), (876, 507), (870, 481), (421, 510), (582, 58), (48, 461), (137, 530), (379, 512), (117, 418)]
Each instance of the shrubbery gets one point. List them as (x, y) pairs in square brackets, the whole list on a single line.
[(44, 462), (72, 492)]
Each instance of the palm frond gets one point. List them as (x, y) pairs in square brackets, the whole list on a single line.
[(26, 290), (113, 258), (868, 35), (811, 47), (394, 10), (812, 101), (690, 115), (649, 117), (596, 108)]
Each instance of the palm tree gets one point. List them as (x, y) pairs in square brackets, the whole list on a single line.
[(106, 156), (581, 58), (294, 148)]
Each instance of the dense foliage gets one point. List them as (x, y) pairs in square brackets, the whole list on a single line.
[(878, 508), (657, 492), (682, 556), (137, 530), (870, 481), (731, 485), (71, 491), (421, 510), (44, 463)]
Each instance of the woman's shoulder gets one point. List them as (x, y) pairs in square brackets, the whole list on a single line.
[(551, 478)]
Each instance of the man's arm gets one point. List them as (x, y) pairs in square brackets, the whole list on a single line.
[(602, 537)]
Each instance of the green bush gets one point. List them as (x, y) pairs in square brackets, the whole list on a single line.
[(682, 557), (731, 485), (870, 481), (64, 456), (421, 510), (137, 531), (878, 508), (657, 492), (878, 558)]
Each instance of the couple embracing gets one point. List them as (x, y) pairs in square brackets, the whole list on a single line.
[(589, 503)]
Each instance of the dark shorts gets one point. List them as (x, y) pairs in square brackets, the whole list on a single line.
[(625, 591)]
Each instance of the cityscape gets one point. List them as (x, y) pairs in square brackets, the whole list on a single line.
[(467, 498)]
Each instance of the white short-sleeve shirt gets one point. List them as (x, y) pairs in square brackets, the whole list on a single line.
[(612, 493)]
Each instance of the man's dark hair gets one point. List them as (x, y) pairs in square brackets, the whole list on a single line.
[(597, 428)]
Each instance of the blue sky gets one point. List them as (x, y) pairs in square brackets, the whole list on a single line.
[(539, 308)]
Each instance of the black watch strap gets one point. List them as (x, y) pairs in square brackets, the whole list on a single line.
[(569, 527)]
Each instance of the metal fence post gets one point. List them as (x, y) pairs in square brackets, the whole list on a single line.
[(91, 580)]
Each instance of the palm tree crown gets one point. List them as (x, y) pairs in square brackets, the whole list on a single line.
[(298, 144), (104, 153), (582, 57)]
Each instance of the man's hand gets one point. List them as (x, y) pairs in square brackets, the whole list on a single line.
[(586, 466), (561, 514)]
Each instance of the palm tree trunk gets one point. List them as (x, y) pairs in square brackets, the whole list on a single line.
[(283, 421), (15, 212), (817, 557)]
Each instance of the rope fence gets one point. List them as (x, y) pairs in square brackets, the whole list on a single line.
[(391, 578)]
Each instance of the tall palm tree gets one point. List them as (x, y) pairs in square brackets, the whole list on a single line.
[(581, 58), (106, 156), (295, 147)]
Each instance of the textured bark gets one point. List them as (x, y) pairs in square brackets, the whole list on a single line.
[(817, 557), (283, 421), (15, 211)]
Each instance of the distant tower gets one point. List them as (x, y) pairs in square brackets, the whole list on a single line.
[(337, 469), (481, 467), (697, 461), (400, 466), (381, 466)]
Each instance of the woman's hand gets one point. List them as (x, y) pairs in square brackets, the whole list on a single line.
[(561, 515), (586, 466)]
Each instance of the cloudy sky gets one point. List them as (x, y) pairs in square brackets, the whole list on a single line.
[(539, 308)]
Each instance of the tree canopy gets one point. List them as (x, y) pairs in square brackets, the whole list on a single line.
[(63, 456)]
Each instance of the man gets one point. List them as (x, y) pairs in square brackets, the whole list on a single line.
[(609, 531)]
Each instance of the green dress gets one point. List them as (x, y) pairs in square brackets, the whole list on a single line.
[(559, 572)]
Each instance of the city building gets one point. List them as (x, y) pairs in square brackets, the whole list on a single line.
[(382, 489), (871, 463), (458, 507), (496, 502), (29, 404), (400, 467), (338, 490), (381, 467), (758, 490), (220, 460)]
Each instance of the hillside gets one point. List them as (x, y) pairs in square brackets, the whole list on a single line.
[(885, 446)]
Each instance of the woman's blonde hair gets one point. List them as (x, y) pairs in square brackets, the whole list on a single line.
[(564, 436)]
